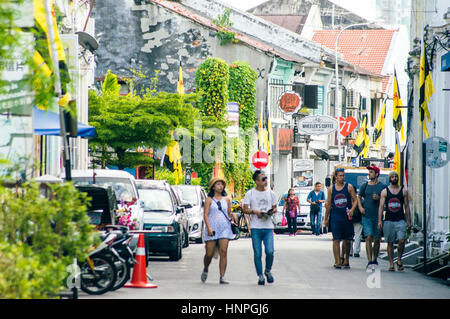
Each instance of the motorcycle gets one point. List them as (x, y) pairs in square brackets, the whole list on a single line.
[(121, 254), (98, 273)]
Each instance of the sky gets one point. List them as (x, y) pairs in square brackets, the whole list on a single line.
[(365, 8)]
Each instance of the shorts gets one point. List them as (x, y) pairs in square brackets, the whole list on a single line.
[(370, 227), (342, 229), (393, 231)]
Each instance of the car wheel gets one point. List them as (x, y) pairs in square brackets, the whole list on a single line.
[(178, 253), (200, 240), (186, 239)]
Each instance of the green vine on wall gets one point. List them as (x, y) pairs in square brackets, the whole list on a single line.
[(242, 89), (219, 84), (211, 79)]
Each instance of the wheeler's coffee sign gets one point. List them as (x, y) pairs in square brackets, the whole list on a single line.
[(289, 102), (318, 125)]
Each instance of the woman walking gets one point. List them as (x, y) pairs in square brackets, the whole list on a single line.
[(290, 208), (217, 215)]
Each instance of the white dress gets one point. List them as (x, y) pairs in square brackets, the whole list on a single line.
[(218, 222)]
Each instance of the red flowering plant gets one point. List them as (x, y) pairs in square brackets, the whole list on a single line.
[(124, 215)]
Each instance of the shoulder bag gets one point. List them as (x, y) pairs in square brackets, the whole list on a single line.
[(234, 228)]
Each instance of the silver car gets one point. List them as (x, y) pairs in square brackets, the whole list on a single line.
[(195, 196)]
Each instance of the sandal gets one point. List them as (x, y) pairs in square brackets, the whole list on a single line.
[(346, 266), (392, 268), (337, 266), (400, 267)]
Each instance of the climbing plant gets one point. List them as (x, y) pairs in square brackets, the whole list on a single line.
[(242, 89), (220, 83), (211, 80)]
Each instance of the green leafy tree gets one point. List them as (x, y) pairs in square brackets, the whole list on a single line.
[(124, 123)]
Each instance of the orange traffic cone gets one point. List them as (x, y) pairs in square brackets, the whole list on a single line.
[(139, 278)]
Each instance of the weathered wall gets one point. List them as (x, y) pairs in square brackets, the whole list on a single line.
[(154, 38)]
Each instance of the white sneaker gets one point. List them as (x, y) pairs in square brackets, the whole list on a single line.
[(223, 281)]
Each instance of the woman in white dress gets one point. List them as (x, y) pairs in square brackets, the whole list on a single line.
[(217, 215)]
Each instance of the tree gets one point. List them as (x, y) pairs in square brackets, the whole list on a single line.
[(124, 123)]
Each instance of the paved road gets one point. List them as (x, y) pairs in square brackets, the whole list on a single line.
[(302, 269)]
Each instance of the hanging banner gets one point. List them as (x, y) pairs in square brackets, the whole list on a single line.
[(284, 139)]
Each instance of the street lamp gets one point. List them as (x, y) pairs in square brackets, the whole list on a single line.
[(337, 104)]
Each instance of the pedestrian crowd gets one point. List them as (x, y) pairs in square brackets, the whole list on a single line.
[(348, 214)]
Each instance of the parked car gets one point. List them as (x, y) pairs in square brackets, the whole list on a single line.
[(122, 183), (303, 219), (164, 217), (103, 204), (195, 196)]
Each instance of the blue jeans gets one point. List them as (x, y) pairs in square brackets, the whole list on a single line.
[(315, 220), (258, 237)]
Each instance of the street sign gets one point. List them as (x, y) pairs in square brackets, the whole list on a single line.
[(260, 160), (289, 102), (437, 152), (318, 125), (347, 125), (233, 117), (187, 175)]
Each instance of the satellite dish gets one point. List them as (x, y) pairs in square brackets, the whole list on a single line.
[(322, 154), (87, 41)]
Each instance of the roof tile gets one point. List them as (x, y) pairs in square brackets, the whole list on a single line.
[(365, 48)]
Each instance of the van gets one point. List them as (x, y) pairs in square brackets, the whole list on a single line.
[(357, 176)]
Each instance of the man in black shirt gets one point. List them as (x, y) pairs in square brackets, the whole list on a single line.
[(394, 228)]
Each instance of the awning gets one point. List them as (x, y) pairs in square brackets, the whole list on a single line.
[(47, 123)]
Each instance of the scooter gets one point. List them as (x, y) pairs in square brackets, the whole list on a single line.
[(98, 273), (122, 254)]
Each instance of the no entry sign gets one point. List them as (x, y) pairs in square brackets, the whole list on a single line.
[(260, 160)]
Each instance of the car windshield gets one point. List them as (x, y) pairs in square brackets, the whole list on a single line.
[(156, 200), (189, 195), (360, 178), (123, 188)]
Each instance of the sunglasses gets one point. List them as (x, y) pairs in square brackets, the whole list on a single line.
[(339, 169), (263, 179)]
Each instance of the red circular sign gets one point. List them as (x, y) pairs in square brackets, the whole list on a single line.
[(260, 160), (289, 102)]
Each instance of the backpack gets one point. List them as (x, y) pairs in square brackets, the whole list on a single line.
[(357, 216)]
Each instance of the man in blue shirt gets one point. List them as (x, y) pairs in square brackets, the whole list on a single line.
[(316, 197)]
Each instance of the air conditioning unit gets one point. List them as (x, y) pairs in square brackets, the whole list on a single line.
[(352, 99)]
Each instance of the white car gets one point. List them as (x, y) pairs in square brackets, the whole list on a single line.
[(123, 184), (303, 219), (195, 196)]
